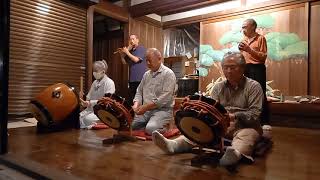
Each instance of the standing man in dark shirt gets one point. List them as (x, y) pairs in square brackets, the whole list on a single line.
[(134, 56)]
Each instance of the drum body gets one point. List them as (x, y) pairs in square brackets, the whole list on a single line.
[(114, 111), (54, 104), (202, 120)]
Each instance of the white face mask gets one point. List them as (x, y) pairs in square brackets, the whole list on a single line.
[(98, 75)]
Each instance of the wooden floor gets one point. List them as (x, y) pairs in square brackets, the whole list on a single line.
[(295, 155)]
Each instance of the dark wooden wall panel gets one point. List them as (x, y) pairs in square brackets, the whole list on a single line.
[(103, 49), (46, 47), (151, 36), (314, 50)]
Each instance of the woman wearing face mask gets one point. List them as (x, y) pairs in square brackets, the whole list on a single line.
[(102, 85)]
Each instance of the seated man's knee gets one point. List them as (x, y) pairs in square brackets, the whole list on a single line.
[(152, 127), (139, 122)]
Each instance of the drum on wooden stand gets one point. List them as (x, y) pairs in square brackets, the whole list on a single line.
[(54, 104), (115, 112), (202, 120)]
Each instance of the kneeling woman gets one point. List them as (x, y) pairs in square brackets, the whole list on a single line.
[(102, 85)]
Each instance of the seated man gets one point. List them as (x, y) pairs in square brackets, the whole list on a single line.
[(242, 97), (154, 100)]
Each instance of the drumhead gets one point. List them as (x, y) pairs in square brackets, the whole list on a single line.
[(197, 130), (201, 129), (39, 114), (108, 118)]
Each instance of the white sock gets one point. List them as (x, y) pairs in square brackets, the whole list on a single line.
[(230, 157), (167, 145), (267, 131)]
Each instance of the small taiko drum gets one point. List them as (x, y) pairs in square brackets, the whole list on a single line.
[(54, 104), (114, 111), (202, 120)]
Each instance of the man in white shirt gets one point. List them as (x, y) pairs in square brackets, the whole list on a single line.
[(154, 100)]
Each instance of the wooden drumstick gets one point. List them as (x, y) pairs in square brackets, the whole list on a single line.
[(141, 138), (81, 87), (82, 101)]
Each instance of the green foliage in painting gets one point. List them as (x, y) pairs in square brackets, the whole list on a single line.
[(230, 37), (204, 48), (203, 71), (206, 60), (285, 45), (264, 21), (299, 48)]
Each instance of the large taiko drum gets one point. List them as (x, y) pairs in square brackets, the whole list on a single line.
[(202, 120), (114, 111), (54, 104)]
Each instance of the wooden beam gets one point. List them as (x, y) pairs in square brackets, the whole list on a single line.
[(217, 16), (111, 10), (167, 6), (85, 3), (149, 20), (184, 8)]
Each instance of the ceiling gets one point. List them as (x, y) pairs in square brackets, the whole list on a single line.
[(167, 7)]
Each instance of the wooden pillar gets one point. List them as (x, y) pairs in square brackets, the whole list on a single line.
[(307, 19), (90, 14), (4, 67)]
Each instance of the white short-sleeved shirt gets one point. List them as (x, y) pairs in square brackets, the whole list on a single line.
[(100, 88)]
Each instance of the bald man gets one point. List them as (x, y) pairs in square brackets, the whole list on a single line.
[(254, 49), (154, 100)]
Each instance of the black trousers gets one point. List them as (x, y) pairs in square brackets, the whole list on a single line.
[(132, 91), (258, 72)]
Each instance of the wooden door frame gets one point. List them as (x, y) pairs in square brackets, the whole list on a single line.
[(110, 10), (4, 72)]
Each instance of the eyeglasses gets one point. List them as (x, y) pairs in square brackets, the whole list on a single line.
[(231, 67)]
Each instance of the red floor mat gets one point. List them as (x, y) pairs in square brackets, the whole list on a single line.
[(170, 133), (100, 126)]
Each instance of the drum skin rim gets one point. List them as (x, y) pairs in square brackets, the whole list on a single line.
[(120, 98), (44, 110), (206, 98)]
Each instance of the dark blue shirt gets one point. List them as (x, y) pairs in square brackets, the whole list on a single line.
[(137, 69)]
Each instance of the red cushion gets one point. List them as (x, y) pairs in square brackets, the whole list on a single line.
[(170, 133), (100, 126)]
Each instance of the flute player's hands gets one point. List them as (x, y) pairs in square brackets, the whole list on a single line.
[(125, 50)]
